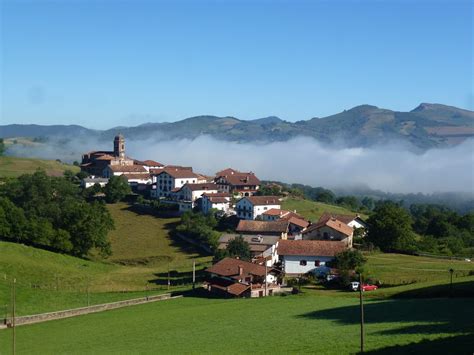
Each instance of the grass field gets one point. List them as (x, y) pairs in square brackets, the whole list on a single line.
[(13, 166), (143, 252), (396, 269), (293, 324), (312, 210)]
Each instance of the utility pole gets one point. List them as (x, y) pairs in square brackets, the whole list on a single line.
[(13, 315), (266, 291), (361, 314), (168, 275), (194, 275), (88, 293)]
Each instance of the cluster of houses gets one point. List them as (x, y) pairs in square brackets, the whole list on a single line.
[(281, 242)]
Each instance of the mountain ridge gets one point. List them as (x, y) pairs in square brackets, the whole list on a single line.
[(426, 126)]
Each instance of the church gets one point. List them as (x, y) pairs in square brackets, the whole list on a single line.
[(94, 163)]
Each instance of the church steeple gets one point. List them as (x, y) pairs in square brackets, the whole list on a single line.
[(119, 147)]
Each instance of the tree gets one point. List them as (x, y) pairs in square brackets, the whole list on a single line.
[(349, 260), (116, 189), (238, 247), (2, 147), (390, 228)]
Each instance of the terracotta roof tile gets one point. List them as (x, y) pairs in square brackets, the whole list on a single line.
[(264, 200), (280, 226), (310, 247), (229, 267), (128, 169)]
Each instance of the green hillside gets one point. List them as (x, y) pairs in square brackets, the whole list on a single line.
[(13, 166), (312, 210)]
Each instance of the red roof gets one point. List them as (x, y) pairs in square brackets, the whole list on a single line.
[(236, 269), (345, 218), (201, 186), (246, 226), (310, 247), (333, 223), (177, 173), (298, 221), (263, 200), (152, 163), (128, 169)]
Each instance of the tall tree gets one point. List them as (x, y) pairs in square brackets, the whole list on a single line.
[(238, 247), (390, 228)]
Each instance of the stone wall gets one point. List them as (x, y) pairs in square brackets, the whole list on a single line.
[(37, 318)]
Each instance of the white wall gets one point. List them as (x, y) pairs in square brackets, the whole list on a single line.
[(246, 210), (291, 263)]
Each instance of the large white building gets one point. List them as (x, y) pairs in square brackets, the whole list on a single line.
[(252, 207)]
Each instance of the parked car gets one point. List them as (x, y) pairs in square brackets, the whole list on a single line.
[(365, 287)]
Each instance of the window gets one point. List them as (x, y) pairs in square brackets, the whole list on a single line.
[(317, 263), (303, 262), (265, 208), (326, 235)]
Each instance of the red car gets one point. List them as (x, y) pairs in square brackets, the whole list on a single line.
[(365, 287)]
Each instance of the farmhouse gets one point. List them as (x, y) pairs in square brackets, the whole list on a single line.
[(237, 183), (352, 220), (219, 201), (330, 229), (253, 206), (149, 164), (237, 278), (260, 246), (275, 228), (117, 170), (168, 179), (302, 256), (191, 192), (297, 223)]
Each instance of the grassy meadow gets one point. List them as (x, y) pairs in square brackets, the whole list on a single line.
[(14, 166), (312, 210), (296, 324)]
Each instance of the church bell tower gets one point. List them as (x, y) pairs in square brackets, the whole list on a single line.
[(119, 147)]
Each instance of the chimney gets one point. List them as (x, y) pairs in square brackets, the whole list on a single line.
[(241, 270)]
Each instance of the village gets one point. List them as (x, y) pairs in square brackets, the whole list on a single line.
[(282, 243)]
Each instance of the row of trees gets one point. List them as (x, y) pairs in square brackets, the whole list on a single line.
[(425, 228), (51, 212)]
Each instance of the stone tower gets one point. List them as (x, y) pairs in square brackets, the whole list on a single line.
[(119, 147)]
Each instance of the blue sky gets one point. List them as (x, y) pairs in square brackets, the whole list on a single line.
[(108, 63)]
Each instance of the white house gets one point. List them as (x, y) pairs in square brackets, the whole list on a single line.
[(218, 201), (163, 182), (253, 206), (91, 181), (302, 256), (149, 165), (191, 192)]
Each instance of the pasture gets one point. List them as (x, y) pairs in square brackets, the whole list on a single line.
[(306, 323), (14, 166)]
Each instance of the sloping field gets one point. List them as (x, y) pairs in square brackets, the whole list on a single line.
[(312, 210), (13, 166)]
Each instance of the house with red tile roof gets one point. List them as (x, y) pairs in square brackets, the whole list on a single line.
[(271, 228), (251, 207), (238, 278), (297, 222), (330, 229), (219, 201), (302, 256), (168, 180), (237, 183)]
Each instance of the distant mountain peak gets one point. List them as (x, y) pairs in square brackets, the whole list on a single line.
[(365, 107)]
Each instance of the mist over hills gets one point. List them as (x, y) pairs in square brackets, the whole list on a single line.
[(427, 126)]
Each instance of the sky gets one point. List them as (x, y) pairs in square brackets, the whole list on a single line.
[(107, 63)]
